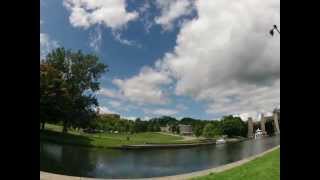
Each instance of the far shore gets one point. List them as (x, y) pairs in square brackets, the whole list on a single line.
[(147, 140)]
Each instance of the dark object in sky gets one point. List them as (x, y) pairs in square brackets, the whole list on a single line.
[(272, 30)]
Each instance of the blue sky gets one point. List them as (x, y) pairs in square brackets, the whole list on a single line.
[(183, 58)]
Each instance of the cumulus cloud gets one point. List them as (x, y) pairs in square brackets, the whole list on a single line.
[(171, 10), (105, 110), (161, 112), (144, 88), (46, 44), (110, 13), (111, 93), (224, 57), (132, 118)]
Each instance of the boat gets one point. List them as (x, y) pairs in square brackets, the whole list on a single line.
[(220, 141), (258, 134)]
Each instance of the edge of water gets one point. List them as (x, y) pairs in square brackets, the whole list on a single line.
[(52, 176)]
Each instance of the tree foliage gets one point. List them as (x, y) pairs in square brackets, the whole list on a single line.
[(67, 82), (211, 130), (233, 126)]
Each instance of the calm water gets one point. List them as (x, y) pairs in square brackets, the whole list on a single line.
[(102, 163)]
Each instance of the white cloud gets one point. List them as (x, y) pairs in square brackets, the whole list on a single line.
[(111, 13), (46, 44), (161, 112), (121, 40), (110, 93), (145, 118), (95, 38), (105, 110), (224, 57), (144, 88), (242, 98), (145, 16), (132, 118), (246, 116), (171, 10)]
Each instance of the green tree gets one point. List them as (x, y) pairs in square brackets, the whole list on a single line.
[(211, 130), (80, 73), (197, 130), (53, 95), (150, 127), (233, 126)]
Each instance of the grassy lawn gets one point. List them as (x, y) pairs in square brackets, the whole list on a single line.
[(53, 133), (266, 167)]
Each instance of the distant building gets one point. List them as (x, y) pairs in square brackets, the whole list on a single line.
[(165, 129), (185, 129)]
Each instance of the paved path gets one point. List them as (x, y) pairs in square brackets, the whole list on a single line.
[(51, 176)]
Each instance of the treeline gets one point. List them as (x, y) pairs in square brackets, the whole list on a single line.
[(228, 125), (112, 124)]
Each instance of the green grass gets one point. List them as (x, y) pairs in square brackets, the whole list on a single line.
[(106, 140), (266, 167)]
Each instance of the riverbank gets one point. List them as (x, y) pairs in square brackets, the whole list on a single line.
[(179, 144), (106, 140), (264, 166), (166, 146), (146, 140), (109, 140)]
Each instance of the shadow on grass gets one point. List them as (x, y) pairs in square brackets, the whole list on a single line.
[(65, 138)]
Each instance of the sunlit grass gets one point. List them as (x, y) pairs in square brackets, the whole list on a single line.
[(53, 133), (266, 167)]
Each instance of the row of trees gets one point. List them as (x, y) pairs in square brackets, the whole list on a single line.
[(229, 125), (108, 124), (67, 82)]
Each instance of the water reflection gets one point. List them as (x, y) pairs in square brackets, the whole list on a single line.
[(102, 163)]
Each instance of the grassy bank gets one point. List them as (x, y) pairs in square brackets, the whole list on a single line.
[(106, 140), (266, 167)]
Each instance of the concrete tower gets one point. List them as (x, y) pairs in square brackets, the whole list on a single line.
[(276, 115), (250, 128), (262, 124)]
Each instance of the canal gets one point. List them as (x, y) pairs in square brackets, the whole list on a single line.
[(108, 163)]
